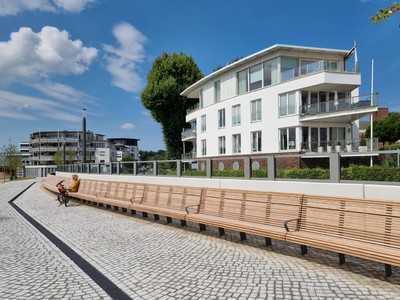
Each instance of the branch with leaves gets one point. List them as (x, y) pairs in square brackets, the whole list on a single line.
[(385, 13)]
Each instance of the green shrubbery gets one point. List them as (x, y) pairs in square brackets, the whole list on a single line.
[(305, 173), (392, 147), (366, 173), (259, 173), (228, 173), (193, 173)]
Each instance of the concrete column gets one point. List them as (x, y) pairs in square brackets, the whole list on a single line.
[(178, 168), (334, 167), (398, 158), (155, 166), (208, 168), (98, 168), (118, 170), (135, 168), (271, 167), (247, 167)]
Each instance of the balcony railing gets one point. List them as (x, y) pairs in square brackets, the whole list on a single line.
[(193, 109), (340, 146), (188, 133), (188, 156), (339, 105)]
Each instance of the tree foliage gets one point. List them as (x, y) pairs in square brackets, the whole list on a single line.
[(10, 159), (58, 158), (152, 155), (170, 74), (127, 157), (386, 13), (387, 129)]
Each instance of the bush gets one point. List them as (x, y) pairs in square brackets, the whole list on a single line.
[(228, 173), (305, 173), (259, 173), (392, 147), (193, 173), (366, 173)]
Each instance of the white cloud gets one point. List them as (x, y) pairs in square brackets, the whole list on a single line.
[(127, 126), (61, 92), (29, 55), (17, 106), (146, 113), (122, 60), (14, 7)]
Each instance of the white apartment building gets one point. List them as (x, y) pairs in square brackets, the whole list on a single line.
[(281, 99)]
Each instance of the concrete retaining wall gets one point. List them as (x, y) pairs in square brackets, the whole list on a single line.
[(351, 190)]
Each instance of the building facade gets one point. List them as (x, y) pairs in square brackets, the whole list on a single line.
[(278, 100), (24, 153), (44, 145), (124, 147)]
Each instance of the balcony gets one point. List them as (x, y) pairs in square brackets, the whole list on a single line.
[(188, 134), (193, 109), (189, 156), (340, 146), (340, 110)]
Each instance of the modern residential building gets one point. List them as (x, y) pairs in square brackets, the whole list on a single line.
[(124, 146), (24, 153), (105, 155), (278, 100), (45, 144)]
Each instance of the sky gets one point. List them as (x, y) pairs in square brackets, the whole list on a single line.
[(59, 56)]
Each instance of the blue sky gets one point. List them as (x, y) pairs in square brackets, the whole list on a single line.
[(69, 54)]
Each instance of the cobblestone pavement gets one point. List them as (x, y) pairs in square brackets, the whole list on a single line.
[(149, 260), (30, 266)]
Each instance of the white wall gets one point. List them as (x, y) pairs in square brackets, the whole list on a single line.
[(350, 190)]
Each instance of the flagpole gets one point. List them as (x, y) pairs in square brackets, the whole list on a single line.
[(372, 114)]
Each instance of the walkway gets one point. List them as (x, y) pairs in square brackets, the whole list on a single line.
[(149, 260)]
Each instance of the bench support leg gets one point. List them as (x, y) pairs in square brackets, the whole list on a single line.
[(388, 270), (124, 209), (243, 236), (221, 231), (144, 214), (115, 208), (101, 205), (202, 227), (342, 259), (108, 206), (183, 223), (169, 220), (156, 217), (133, 212), (303, 249), (268, 242)]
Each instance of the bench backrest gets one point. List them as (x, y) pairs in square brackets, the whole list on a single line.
[(254, 207), (374, 221)]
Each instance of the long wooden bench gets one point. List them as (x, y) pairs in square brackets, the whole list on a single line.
[(362, 228), (257, 213)]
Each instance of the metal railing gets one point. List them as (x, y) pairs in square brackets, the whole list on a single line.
[(336, 146), (188, 133), (338, 105), (193, 109)]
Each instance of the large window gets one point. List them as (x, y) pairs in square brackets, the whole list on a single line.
[(203, 123), (221, 118), (242, 82), (236, 115), (256, 141), (236, 143), (203, 147), (309, 66), (217, 91), (288, 138), (221, 145), (271, 73), (255, 110), (256, 77), (287, 104), (289, 68)]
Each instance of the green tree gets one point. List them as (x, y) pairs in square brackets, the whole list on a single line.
[(386, 13), (387, 129), (170, 74), (58, 158), (10, 159), (152, 155), (70, 156), (127, 157)]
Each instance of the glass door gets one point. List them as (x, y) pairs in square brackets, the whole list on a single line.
[(314, 139)]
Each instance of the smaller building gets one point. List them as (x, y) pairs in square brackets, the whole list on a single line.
[(124, 147), (105, 155), (24, 153)]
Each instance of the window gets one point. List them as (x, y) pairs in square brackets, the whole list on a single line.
[(217, 91), (255, 110), (289, 68), (201, 98), (309, 66), (236, 143), (203, 123), (203, 147), (236, 115), (221, 118), (221, 145), (256, 77), (287, 104), (242, 82), (256, 141), (288, 138), (271, 75)]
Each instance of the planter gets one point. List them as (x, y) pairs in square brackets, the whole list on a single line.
[(363, 148), (349, 148), (329, 149), (338, 148), (320, 149)]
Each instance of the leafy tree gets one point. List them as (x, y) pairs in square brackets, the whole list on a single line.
[(58, 158), (152, 155), (386, 13), (70, 156), (10, 159), (387, 129), (170, 74), (127, 157)]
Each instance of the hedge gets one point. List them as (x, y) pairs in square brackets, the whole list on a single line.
[(305, 173), (366, 173), (228, 173), (259, 173), (193, 173)]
